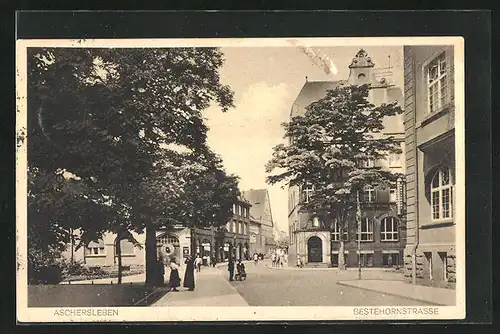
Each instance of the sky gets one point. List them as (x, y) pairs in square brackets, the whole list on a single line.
[(266, 81)]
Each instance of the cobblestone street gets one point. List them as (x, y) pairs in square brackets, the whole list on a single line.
[(268, 286)]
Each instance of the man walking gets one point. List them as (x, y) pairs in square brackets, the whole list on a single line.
[(255, 258), (230, 268), (198, 261)]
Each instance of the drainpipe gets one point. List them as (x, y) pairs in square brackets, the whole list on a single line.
[(417, 223)]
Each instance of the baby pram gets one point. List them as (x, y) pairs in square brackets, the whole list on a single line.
[(241, 274)]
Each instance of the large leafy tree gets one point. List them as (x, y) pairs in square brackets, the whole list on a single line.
[(108, 116), (328, 146)]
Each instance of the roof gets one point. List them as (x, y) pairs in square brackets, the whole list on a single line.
[(312, 91), (257, 198)]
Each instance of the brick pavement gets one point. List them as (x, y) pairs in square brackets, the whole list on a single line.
[(212, 288), (430, 295)]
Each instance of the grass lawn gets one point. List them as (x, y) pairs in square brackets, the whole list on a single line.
[(92, 295)]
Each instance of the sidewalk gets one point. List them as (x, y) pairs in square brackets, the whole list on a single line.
[(430, 295), (211, 289), (140, 278)]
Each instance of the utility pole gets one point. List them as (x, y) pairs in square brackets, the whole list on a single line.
[(358, 218)]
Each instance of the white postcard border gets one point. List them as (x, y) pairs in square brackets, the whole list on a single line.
[(141, 314)]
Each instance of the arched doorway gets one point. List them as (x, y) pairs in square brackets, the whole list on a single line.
[(165, 242), (314, 250), (226, 251), (246, 254), (239, 251)]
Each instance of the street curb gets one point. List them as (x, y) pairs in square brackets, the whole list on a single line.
[(233, 288), (329, 269), (390, 294), (146, 298)]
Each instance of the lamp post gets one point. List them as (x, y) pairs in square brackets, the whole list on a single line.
[(358, 219)]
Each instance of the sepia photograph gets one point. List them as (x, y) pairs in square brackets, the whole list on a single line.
[(240, 179)]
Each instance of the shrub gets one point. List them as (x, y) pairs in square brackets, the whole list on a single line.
[(43, 267)]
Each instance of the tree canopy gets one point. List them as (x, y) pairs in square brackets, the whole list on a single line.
[(328, 146), (127, 125)]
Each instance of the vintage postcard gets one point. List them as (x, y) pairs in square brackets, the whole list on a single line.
[(240, 179)]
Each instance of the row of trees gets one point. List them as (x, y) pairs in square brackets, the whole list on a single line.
[(117, 143), (328, 145)]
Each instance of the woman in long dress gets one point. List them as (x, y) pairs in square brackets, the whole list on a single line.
[(174, 281), (189, 274)]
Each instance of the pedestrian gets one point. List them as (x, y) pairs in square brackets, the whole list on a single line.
[(161, 272), (273, 259), (255, 258), (213, 261), (299, 261), (198, 263), (174, 281), (230, 268), (189, 274), (240, 271)]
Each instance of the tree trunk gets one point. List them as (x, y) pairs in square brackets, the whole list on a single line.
[(119, 256), (193, 242), (151, 256)]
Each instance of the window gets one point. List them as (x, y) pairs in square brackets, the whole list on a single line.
[(392, 195), (428, 257), (437, 83), (95, 248), (127, 247), (366, 260), (370, 163), (336, 233), (444, 260), (366, 230), (315, 222), (307, 192), (389, 229), (390, 259), (395, 160), (442, 194), (369, 194), (234, 209)]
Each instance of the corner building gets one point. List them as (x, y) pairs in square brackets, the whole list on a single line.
[(430, 160), (383, 236)]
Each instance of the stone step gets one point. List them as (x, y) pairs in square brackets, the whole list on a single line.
[(317, 265)]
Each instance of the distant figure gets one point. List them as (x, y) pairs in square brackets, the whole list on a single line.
[(299, 261), (161, 272), (230, 268), (240, 271), (212, 261), (198, 263), (273, 259), (255, 258), (189, 274), (174, 281)]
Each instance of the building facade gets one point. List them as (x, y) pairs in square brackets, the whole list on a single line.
[(262, 238), (430, 160), (383, 238), (219, 243)]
